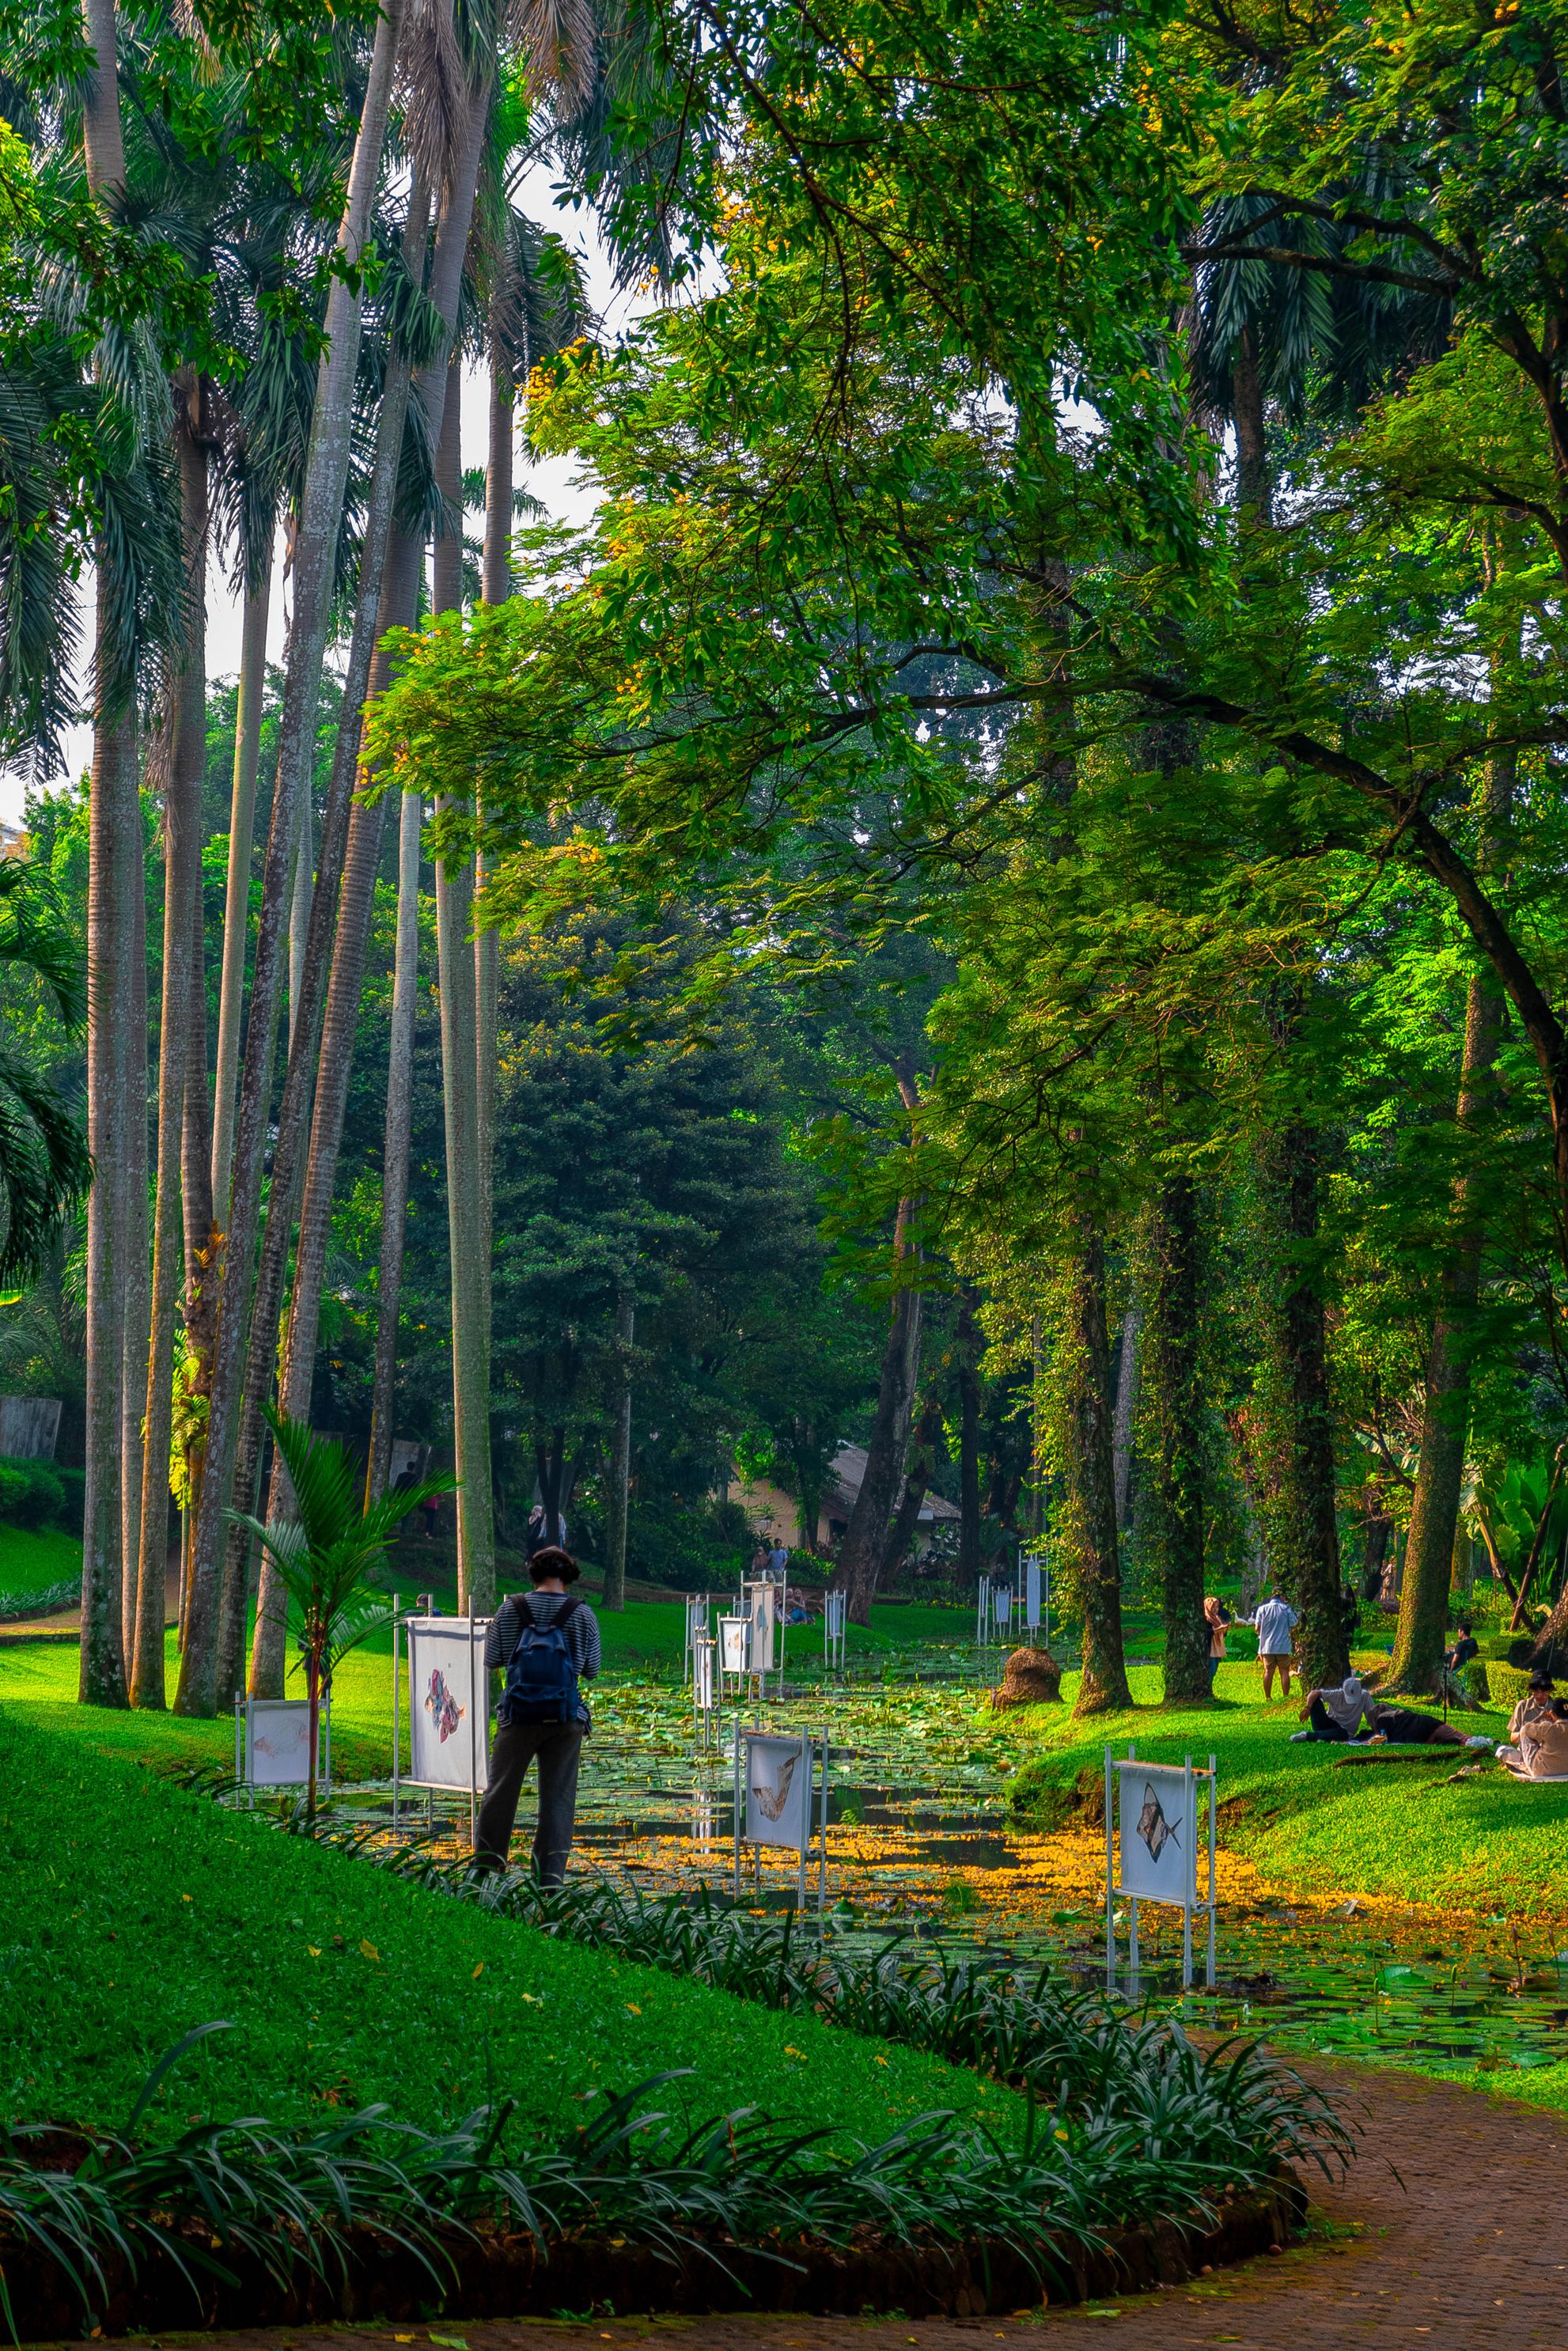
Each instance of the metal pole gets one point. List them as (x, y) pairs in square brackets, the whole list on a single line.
[(1110, 1875), (397, 1738), (240, 1703), (473, 1736), (1213, 1847), (822, 1865), (738, 1806), (808, 1760), (1192, 1895)]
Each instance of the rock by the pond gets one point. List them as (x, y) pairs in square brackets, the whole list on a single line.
[(1031, 1678)]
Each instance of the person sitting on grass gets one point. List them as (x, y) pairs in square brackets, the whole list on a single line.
[(1334, 1714), (1405, 1726), (1542, 1748), (1533, 1707)]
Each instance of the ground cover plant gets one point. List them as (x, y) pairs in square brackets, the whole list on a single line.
[(40, 1568), (349, 2003)]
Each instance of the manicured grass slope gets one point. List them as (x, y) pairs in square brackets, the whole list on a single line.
[(137, 1910), (36, 1560), (1387, 1831)]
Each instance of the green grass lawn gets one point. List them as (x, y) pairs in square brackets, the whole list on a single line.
[(33, 1562), (139, 1910), (1311, 1823)]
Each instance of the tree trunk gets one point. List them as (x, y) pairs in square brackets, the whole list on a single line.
[(460, 1091), (320, 518), (182, 855), (496, 587), (138, 1290), (618, 1493), (1421, 1637), (1254, 482), (113, 802), (299, 907), (865, 1537), (1127, 1369), (399, 1135), (1173, 1407), (1303, 1537), (237, 902), (112, 808), (922, 1460), (1088, 1552), (968, 1352)]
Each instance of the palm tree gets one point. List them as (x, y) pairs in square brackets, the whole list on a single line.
[(326, 1556)]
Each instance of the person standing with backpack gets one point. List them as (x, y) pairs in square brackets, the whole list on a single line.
[(547, 1642)]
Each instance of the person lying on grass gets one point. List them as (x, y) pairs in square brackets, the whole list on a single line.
[(1540, 1749), (1405, 1726)]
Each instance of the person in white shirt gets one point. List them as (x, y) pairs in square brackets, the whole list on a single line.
[(1335, 1714), (1275, 1621)]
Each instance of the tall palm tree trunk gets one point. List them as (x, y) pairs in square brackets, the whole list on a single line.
[(300, 910), (112, 804), (137, 1290), (399, 1138), (110, 927), (181, 853), (1421, 1635), (460, 1091), (321, 516), (236, 902)]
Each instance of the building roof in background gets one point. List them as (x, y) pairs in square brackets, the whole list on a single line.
[(846, 1478)]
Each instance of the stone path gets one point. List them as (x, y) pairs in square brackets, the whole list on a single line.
[(1451, 2234)]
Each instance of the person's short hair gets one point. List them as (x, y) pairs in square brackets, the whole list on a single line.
[(1465, 1625), (549, 1560)]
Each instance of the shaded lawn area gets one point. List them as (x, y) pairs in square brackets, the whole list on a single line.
[(1307, 1819), (35, 1559), (137, 1910)]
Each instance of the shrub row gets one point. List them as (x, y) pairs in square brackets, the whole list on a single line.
[(41, 1494)]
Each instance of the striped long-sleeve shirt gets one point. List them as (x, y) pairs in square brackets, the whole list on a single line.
[(581, 1631)]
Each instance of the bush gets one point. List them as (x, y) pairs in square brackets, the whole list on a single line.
[(1506, 1684), (31, 1494), (685, 1546), (1478, 1682)]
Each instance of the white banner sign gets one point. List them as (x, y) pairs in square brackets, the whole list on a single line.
[(779, 1792), (1158, 1820), (1031, 1594), (734, 1634), (448, 1703), (703, 1675), (762, 1608), (280, 1741)]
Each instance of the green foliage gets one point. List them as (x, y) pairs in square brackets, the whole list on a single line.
[(33, 1495)]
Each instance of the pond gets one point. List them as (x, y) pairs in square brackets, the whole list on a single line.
[(922, 1847)]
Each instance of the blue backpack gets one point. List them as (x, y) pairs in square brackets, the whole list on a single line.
[(541, 1680)]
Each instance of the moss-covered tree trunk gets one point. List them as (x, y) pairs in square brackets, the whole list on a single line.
[(1175, 1431), (1303, 1533), (1422, 1633), (1086, 1409)]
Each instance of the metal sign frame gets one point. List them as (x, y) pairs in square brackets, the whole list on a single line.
[(245, 1710), (734, 1676), (813, 1846), (1195, 1779), (478, 1631), (835, 1631), (774, 1598), (707, 1695), (698, 1607)]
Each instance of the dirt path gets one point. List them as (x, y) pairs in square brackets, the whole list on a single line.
[(1449, 2236)]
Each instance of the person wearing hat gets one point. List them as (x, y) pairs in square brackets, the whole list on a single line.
[(1536, 1705), (547, 1642), (1334, 1714)]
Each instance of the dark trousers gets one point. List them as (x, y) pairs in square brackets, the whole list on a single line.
[(1324, 1726), (559, 1746), (1214, 1664)]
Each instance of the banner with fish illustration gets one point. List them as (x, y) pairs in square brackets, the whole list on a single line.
[(779, 1792), (449, 1746), (1158, 1820)]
